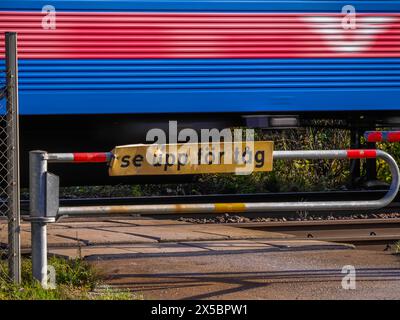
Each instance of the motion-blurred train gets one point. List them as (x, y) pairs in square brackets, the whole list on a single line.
[(95, 74)]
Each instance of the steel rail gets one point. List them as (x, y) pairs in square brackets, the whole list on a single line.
[(212, 208), (360, 232)]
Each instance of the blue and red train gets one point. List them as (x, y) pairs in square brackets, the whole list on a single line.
[(94, 74)]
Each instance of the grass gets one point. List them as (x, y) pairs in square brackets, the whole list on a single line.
[(75, 280)]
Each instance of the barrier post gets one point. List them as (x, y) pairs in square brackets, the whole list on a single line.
[(37, 205)]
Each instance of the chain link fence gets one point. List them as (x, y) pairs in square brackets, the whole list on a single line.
[(4, 161), (3, 170), (9, 159)]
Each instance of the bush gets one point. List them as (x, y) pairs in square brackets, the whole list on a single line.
[(304, 175)]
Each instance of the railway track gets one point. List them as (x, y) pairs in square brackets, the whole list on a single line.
[(375, 234), (379, 234), (365, 233)]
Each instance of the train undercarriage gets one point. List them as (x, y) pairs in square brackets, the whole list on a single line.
[(90, 133)]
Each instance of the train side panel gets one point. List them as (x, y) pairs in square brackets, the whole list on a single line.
[(151, 57), (101, 73)]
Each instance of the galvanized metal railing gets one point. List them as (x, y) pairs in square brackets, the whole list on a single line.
[(241, 207), (44, 207)]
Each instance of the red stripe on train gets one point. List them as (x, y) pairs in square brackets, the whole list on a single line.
[(201, 35)]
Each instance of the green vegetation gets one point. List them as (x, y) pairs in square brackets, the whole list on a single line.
[(383, 170), (75, 279)]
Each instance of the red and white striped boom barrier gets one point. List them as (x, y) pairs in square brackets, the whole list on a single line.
[(382, 136), (80, 157)]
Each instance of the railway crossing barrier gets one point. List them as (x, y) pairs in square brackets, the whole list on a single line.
[(44, 196), (382, 136)]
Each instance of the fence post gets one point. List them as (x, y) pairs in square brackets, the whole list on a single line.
[(13, 192), (37, 205)]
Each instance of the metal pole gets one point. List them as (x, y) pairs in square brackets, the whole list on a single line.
[(37, 204), (13, 192)]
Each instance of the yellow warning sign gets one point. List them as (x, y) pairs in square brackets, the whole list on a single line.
[(192, 158)]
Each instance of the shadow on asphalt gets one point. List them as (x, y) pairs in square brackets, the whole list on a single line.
[(243, 281)]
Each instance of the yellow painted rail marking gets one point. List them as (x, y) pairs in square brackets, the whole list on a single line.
[(230, 207)]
